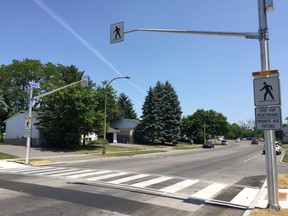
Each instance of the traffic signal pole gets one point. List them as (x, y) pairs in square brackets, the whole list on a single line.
[(262, 36)]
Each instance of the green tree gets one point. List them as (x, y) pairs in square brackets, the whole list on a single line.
[(65, 115), (14, 84), (3, 106), (161, 115), (234, 131), (146, 131), (112, 108), (172, 113), (204, 125), (126, 107)]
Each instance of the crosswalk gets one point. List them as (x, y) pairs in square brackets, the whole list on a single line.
[(190, 188)]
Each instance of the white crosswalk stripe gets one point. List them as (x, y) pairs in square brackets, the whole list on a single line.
[(71, 172), (106, 176), (88, 174), (29, 169), (44, 171), (191, 188), (130, 178), (151, 182), (245, 197), (210, 191), (179, 186)]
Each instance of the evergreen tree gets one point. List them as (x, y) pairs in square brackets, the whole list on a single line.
[(126, 107), (171, 108), (161, 115)]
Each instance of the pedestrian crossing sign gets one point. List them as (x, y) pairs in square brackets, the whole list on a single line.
[(117, 32), (267, 91)]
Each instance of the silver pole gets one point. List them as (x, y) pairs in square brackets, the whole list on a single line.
[(270, 156), (28, 141), (105, 112)]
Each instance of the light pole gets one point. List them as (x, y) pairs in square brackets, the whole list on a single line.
[(28, 119), (28, 122), (105, 111)]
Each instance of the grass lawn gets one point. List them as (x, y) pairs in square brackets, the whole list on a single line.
[(285, 158), (265, 212), (283, 184), (7, 156)]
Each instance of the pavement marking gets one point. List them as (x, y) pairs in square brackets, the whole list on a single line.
[(29, 169), (106, 176), (44, 171), (130, 178), (250, 159), (51, 172), (179, 186), (88, 174), (151, 182), (70, 172), (245, 197), (209, 191)]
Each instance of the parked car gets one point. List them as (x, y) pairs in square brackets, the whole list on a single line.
[(238, 140), (255, 142), (224, 142), (277, 147), (185, 139), (208, 144)]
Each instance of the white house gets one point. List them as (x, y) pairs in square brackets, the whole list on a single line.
[(15, 130), (125, 128)]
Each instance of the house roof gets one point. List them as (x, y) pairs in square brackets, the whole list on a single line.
[(112, 130), (125, 123), (20, 112)]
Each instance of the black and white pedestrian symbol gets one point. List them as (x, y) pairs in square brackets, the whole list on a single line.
[(267, 88), (267, 91), (117, 32)]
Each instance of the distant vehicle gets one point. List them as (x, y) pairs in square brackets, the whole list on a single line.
[(208, 144), (255, 142), (185, 139), (261, 139), (121, 141), (224, 142), (238, 140), (277, 147)]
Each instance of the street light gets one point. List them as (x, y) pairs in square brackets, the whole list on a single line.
[(28, 119), (105, 111)]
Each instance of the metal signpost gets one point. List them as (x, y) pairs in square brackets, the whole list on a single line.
[(262, 36), (28, 119)]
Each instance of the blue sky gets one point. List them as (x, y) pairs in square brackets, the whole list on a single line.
[(207, 72)]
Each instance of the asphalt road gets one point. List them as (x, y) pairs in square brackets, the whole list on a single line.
[(227, 164), (46, 191)]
